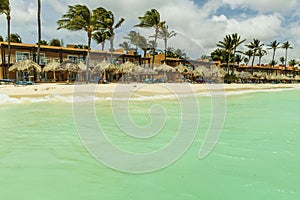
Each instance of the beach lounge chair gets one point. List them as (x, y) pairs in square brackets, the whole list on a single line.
[(6, 81), (23, 83)]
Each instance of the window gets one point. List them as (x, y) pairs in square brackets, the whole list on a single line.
[(42, 59), (73, 58), (22, 56), (82, 59)]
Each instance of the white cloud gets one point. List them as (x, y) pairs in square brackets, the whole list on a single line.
[(262, 5)]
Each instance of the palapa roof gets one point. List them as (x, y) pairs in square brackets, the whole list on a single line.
[(165, 68), (101, 66), (181, 68), (126, 67), (68, 66), (25, 65), (83, 67), (201, 70), (51, 66)]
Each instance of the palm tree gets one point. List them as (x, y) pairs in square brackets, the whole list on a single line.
[(286, 46), (273, 62), (218, 55), (39, 30), (228, 45), (248, 53), (236, 41), (255, 45), (44, 42), (79, 17), (164, 34), (152, 45), (134, 38), (143, 44), (239, 58), (273, 45), (260, 53), (5, 9), (180, 54), (151, 19), (110, 26), (55, 42), (100, 37), (14, 37), (282, 59), (126, 46), (246, 60), (293, 62)]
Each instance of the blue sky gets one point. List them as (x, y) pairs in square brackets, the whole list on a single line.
[(199, 24)]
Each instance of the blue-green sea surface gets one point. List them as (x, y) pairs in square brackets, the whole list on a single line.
[(256, 157)]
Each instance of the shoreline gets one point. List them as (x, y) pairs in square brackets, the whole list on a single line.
[(135, 89)]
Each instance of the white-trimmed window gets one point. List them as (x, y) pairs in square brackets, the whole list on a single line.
[(73, 58), (22, 56), (42, 59)]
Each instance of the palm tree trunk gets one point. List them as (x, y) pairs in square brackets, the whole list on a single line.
[(285, 57), (145, 54), (88, 56), (252, 63), (273, 57), (228, 62), (103, 44), (166, 49), (39, 37), (154, 49), (39, 31), (8, 41), (259, 61), (111, 47)]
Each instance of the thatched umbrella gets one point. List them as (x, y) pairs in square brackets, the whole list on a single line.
[(149, 71), (83, 68), (69, 66), (101, 67), (297, 78), (126, 68), (202, 71), (138, 69), (273, 77), (111, 68), (181, 68), (52, 66), (25, 65), (165, 68), (283, 77)]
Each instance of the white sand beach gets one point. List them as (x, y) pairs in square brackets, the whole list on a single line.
[(107, 90)]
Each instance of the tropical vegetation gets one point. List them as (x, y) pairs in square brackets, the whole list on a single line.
[(151, 19)]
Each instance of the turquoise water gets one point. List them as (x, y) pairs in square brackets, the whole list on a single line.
[(257, 155)]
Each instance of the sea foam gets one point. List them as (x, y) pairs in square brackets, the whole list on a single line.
[(5, 99)]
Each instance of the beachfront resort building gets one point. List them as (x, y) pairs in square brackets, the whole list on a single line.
[(59, 54)]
